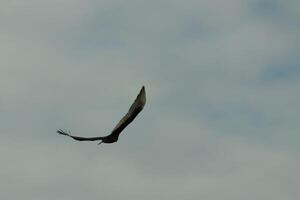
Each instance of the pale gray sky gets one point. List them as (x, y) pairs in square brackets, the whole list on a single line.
[(223, 87)]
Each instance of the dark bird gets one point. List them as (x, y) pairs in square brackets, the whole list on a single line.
[(133, 111)]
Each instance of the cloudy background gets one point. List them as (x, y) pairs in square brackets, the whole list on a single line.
[(223, 87)]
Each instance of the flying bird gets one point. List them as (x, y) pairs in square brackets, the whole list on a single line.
[(133, 111)]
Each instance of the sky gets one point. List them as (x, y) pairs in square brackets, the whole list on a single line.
[(221, 120)]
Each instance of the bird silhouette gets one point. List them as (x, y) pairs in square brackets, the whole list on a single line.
[(133, 111)]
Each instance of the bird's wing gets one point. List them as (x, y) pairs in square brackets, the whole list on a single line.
[(133, 111), (79, 138)]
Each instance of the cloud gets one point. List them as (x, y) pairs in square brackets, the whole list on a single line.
[(233, 167), (222, 87)]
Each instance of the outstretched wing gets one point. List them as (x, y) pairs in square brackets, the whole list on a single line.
[(133, 111), (79, 138)]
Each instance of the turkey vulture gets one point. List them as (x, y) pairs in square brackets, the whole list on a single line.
[(133, 111)]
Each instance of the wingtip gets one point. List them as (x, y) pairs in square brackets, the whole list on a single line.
[(143, 90), (142, 95), (59, 131)]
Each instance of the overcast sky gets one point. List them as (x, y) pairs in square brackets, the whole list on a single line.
[(222, 116)]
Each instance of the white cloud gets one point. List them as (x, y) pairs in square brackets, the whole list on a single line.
[(212, 127)]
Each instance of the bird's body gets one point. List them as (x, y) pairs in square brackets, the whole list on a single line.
[(133, 111)]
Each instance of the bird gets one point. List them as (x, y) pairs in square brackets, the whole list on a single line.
[(136, 107)]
